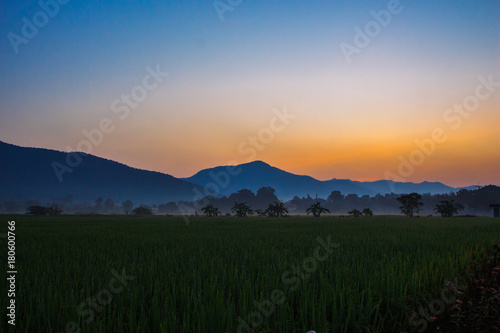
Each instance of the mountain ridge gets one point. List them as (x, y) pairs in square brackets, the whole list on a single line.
[(28, 172), (291, 184)]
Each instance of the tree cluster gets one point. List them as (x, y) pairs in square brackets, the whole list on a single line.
[(266, 203)]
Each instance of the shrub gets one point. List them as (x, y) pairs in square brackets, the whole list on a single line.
[(142, 210)]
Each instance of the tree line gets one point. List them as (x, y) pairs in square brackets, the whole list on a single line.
[(266, 203), (410, 204)]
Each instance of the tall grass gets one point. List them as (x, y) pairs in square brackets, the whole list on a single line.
[(203, 276)]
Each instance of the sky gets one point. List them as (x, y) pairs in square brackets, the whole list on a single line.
[(363, 90)]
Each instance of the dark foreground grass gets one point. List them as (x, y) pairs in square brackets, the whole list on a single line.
[(222, 274)]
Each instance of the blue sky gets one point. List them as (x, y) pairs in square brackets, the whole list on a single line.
[(226, 77)]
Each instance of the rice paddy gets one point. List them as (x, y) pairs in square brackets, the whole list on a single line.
[(225, 274)]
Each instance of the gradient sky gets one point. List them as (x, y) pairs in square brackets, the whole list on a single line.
[(352, 120)]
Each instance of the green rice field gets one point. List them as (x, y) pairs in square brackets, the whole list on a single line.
[(225, 274)]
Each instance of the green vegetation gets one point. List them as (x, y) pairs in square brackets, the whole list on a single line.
[(203, 276)]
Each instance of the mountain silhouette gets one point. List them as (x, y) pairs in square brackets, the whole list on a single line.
[(257, 174), (28, 173)]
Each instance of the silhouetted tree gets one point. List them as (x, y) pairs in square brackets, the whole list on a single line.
[(276, 210), (265, 196), (410, 204), (37, 210), (261, 212), (210, 211), (367, 212), (43, 211), (316, 209), (335, 196), (127, 206), (142, 210), (448, 208), (351, 199), (109, 205), (269, 212), (241, 209), (354, 212), (243, 195)]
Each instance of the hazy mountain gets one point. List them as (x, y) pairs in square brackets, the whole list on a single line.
[(257, 174), (28, 173)]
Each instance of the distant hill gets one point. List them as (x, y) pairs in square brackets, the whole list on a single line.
[(27, 173), (257, 174)]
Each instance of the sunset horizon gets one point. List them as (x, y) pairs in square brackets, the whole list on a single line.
[(294, 171), (394, 91), (250, 166)]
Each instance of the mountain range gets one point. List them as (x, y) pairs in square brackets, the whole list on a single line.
[(32, 173), (47, 175), (257, 174)]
